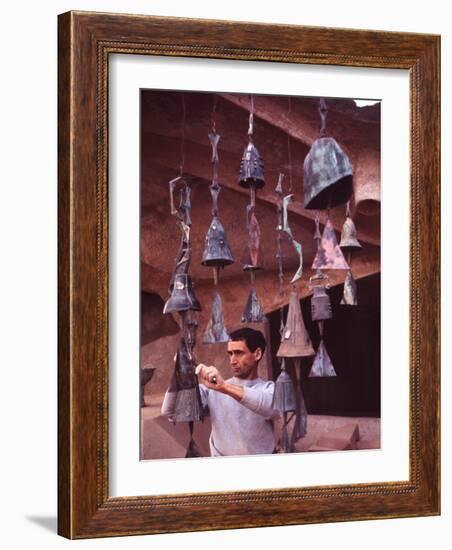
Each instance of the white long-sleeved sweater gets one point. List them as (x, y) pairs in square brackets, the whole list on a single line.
[(238, 428)]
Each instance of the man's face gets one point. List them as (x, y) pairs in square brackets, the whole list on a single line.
[(243, 361)]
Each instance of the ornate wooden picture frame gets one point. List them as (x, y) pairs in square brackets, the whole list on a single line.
[(85, 508)]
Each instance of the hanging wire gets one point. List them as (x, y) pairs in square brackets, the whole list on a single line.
[(182, 165), (289, 152), (251, 119)]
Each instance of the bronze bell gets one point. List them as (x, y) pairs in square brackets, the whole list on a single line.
[(251, 168), (322, 365), (295, 340), (349, 237), (320, 304), (284, 399), (329, 255), (216, 332), (216, 252), (182, 297), (253, 312), (327, 175), (188, 406), (350, 296)]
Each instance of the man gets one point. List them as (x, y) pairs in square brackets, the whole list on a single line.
[(240, 407)]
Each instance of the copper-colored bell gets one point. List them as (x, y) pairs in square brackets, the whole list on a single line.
[(349, 238), (295, 340), (284, 399), (322, 365), (251, 168), (329, 255), (252, 257), (350, 296), (328, 173), (253, 312), (188, 406), (216, 332), (217, 251), (182, 297), (320, 304)]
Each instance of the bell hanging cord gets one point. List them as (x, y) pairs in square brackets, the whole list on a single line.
[(289, 152), (323, 110)]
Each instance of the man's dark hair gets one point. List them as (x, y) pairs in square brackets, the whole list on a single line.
[(253, 338)]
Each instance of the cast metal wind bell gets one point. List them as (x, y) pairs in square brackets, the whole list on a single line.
[(252, 177), (188, 407), (328, 180), (216, 332), (295, 340), (253, 312), (329, 254), (321, 312), (350, 296), (251, 165), (217, 253), (322, 365)]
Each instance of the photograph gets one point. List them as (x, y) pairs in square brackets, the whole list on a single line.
[(259, 274)]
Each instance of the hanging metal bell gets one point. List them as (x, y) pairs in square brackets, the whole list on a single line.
[(251, 168), (284, 399), (182, 297), (322, 365), (328, 173), (253, 312), (350, 296), (188, 406), (349, 237), (320, 304), (329, 254), (295, 340), (216, 252), (216, 332)]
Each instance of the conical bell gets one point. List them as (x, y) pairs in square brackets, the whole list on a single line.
[(284, 399), (322, 366), (329, 255), (295, 340), (349, 236), (328, 173), (216, 252), (320, 304), (350, 296), (252, 257), (253, 312), (251, 168), (216, 332), (182, 297)]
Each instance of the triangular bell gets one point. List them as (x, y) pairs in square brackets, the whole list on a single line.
[(216, 332), (295, 340), (329, 254), (350, 296), (253, 312), (322, 365)]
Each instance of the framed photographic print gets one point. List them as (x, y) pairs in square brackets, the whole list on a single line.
[(248, 275)]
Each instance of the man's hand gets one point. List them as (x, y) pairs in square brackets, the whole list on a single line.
[(210, 377)]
